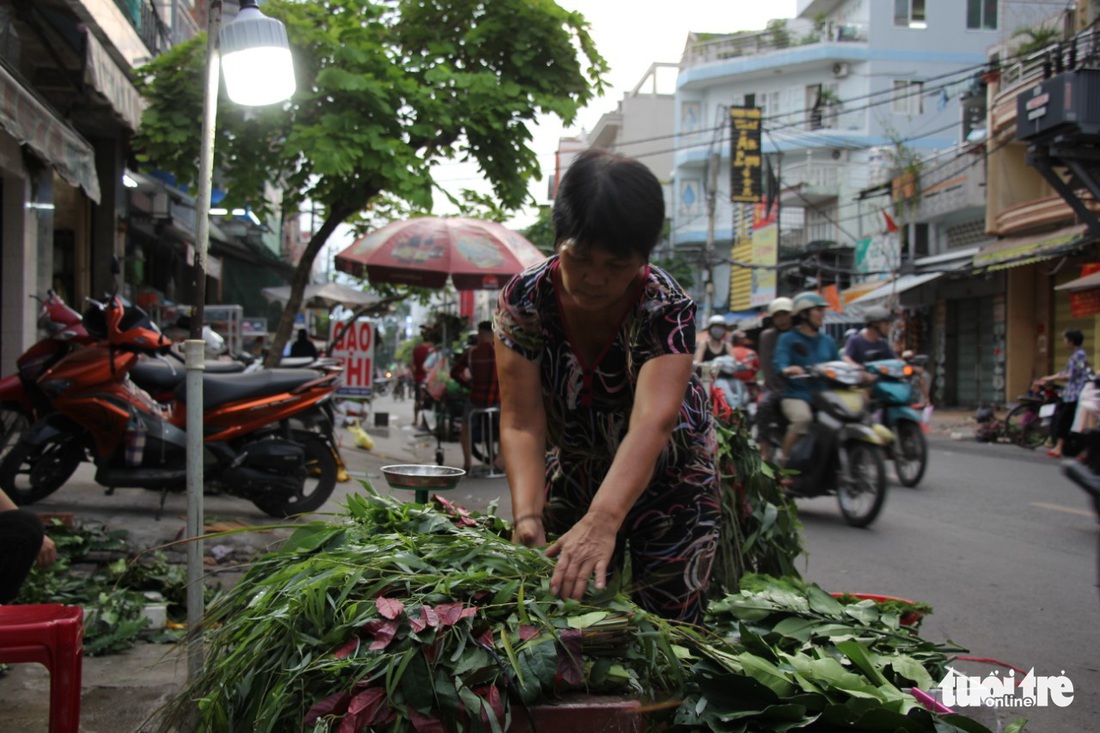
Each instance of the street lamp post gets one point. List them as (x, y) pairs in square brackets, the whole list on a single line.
[(255, 56)]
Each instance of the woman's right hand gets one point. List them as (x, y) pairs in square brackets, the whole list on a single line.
[(528, 531)]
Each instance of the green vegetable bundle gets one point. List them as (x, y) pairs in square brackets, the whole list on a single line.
[(404, 617)]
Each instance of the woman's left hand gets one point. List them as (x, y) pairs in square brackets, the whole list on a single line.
[(583, 551)]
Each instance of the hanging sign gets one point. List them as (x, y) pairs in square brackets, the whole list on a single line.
[(355, 350), (745, 157)]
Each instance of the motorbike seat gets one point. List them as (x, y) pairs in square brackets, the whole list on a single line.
[(157, 376), (221, 388)]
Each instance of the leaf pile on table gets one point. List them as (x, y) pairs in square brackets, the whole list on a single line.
[(403, 617)]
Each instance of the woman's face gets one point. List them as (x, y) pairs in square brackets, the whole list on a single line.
[(595, 279)]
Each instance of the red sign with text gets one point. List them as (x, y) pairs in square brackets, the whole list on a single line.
[(1084, 303), (355, 350)]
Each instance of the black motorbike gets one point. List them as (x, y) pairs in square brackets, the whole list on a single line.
[(842, 454)]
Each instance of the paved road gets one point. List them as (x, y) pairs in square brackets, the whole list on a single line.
[(995, 539), (1004, 549)]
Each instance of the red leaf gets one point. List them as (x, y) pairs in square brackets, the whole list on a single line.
[(425, 723), (347, 649), (351, 724), (497, 704), (417, 623), (431, 618), (389, 607), (486, 639), (383, 635), (451, 613), (528, 632), (337, 703), (367, 703), (570, 664)]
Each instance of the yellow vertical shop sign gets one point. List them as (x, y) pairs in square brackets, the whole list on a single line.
[(746, 161), (741, 276)]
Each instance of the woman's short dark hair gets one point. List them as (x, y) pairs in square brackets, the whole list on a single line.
[(1074, 336), (611, 202)]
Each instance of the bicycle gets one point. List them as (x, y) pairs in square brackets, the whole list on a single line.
[(1029, 424)]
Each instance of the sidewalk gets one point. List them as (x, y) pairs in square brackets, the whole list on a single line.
[(122, 692)]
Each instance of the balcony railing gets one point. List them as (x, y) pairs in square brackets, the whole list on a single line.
[(706, 48), (146, 20)]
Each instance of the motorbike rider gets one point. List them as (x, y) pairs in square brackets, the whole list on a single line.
[(808, 314), (715, 344), (745, 355), (779, 311), (871, 343)]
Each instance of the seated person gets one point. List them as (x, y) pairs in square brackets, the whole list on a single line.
[(808, 316), (871, 343)]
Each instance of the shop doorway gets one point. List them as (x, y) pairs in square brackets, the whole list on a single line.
[(970, 348)]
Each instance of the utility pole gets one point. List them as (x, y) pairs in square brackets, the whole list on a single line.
[(708, 251)]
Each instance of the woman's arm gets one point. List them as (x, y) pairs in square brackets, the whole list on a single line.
[(587, 548), (523, 442), (700, 350)]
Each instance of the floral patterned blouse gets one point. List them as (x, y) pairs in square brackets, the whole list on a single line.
[(1077, 373), (588, 405)]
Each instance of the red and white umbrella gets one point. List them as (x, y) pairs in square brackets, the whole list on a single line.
[(475, 254)]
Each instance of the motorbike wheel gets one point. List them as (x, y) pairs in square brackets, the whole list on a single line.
[(1025, 428), (320, 480), (910, 453), (13, 423), (31, 473), (862, 496)]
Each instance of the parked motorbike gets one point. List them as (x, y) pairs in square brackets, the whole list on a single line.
[(21, 401), (268, 436), (1030, 422), (842, 454), (892, 393)]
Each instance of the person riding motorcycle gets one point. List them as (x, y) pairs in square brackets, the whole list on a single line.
[(779, 311), (801, 347), (872, 342), (715, 344)]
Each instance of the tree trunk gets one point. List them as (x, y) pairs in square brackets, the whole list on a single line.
[(298, 284)]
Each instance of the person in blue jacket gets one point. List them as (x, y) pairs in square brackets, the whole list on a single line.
[(808, 312)]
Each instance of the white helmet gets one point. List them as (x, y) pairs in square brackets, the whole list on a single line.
[(213, 343), (716, 321), (780, 305)]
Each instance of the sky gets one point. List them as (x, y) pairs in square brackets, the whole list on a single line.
[(631, 37)]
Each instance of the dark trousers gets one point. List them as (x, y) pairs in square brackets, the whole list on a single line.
[(20, 540), (1063, 420)]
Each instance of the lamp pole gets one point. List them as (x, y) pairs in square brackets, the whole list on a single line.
[(249, 35)]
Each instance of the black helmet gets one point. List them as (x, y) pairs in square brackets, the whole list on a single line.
[(877, 313)]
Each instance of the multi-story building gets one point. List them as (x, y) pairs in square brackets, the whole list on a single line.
[(856, 98), (69, 204), (1046, 224)]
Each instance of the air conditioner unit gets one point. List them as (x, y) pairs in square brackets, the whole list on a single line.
[(840, 69)]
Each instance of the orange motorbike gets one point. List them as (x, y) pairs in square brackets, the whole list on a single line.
[(268, 436)]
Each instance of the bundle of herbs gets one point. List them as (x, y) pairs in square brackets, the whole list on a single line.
[(760, 527), (98, 570), (792, 657), (402, 617)]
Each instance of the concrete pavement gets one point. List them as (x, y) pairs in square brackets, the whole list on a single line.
[(122, 692)]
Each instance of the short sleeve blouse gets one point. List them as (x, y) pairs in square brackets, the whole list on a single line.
[(588, 405)]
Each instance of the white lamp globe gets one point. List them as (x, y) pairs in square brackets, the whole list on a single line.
[(256, 59)]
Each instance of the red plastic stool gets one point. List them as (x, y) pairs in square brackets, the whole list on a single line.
[(52, 635)]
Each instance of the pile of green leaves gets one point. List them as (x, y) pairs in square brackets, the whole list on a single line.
[(97, 570), (760, 528), (792, 657), (402, 617)]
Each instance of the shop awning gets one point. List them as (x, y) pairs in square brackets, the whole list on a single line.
[(35, 125), (903, 283), (1087, 282), (107, 78), (1016, 251)]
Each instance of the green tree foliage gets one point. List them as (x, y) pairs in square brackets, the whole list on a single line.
[(541, 233), (386, 90)]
